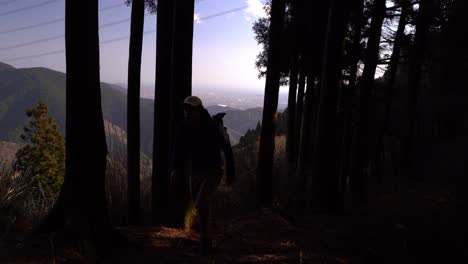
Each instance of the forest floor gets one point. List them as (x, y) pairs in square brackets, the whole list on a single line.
[(413, 226)]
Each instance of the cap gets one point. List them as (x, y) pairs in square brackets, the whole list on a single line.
[(193, 101)]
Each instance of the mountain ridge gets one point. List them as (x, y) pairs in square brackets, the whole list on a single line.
[(22, 88)]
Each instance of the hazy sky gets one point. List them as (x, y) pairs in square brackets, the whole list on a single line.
[(224, 45)]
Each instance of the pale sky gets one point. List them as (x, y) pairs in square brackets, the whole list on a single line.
[(224, 44)]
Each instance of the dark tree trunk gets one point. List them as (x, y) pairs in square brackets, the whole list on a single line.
[(162, 114), (290, 137), (182, 46), (304, 136), (270, 104), (347, 95), (299, 109), (367, 81), (325, 147), (392, 71), (456, 67), (81, 205), (415, 74), (133, 110), (182, 41), (291, 140)]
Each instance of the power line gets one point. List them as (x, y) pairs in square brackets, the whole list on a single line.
[(28, 7), (31, 42), (111, 7), (60, 36), (224, 12), (52, 21), (119, 38), (31, 26)]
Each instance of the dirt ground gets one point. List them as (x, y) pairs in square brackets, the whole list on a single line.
[(415, 226)]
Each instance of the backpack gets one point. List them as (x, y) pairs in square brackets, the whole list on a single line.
[(225, 145)]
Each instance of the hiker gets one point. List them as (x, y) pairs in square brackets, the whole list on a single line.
[(197, 158)]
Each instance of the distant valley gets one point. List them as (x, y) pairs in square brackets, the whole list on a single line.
[(21, 89)]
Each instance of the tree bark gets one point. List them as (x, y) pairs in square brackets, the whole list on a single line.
[(325, 147), (392, 71), (182, 46), (299, 109), (305, 136), (133, 111), (81, 206), (270, 105), (422, 26), (290, 137), (162, 114), (367, 81), (182, 41), (291, 140), (347, 96)]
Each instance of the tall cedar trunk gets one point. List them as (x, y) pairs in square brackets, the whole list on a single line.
[(81, 206), (363, 126), (182, 41), (348, 95), (392, 71), (455, 69), (415, 74), (291, 140), (182, 45), (133, 110), (325, 148), (290, 137), (299, 109), (304, 135), (162, 114), (270, 104)]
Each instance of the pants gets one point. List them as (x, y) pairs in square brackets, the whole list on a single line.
[(203, 186)]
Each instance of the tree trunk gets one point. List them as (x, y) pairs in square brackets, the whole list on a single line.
[(182, 46), (325, 147), (133, 110), (392, 71), (299, 109), (162, 114), (182, 41), (304, 137), (270, 104), (363, 126), (290, 137), (455, 69), (81, 205), (422, 26), (347, 97), (291, 140)]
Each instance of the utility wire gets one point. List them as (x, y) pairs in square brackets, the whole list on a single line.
[(224, 13), (27, 7), (52, 21), (60, 36), (119, 38), (57, 20)]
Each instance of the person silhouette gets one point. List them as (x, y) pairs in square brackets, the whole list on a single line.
[(200, 141)]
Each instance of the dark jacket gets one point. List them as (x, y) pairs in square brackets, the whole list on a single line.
[(203, 146)]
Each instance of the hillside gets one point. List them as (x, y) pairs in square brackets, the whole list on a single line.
[(20, 89)]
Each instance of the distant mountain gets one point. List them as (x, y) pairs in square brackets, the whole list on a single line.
[(20, 89)]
